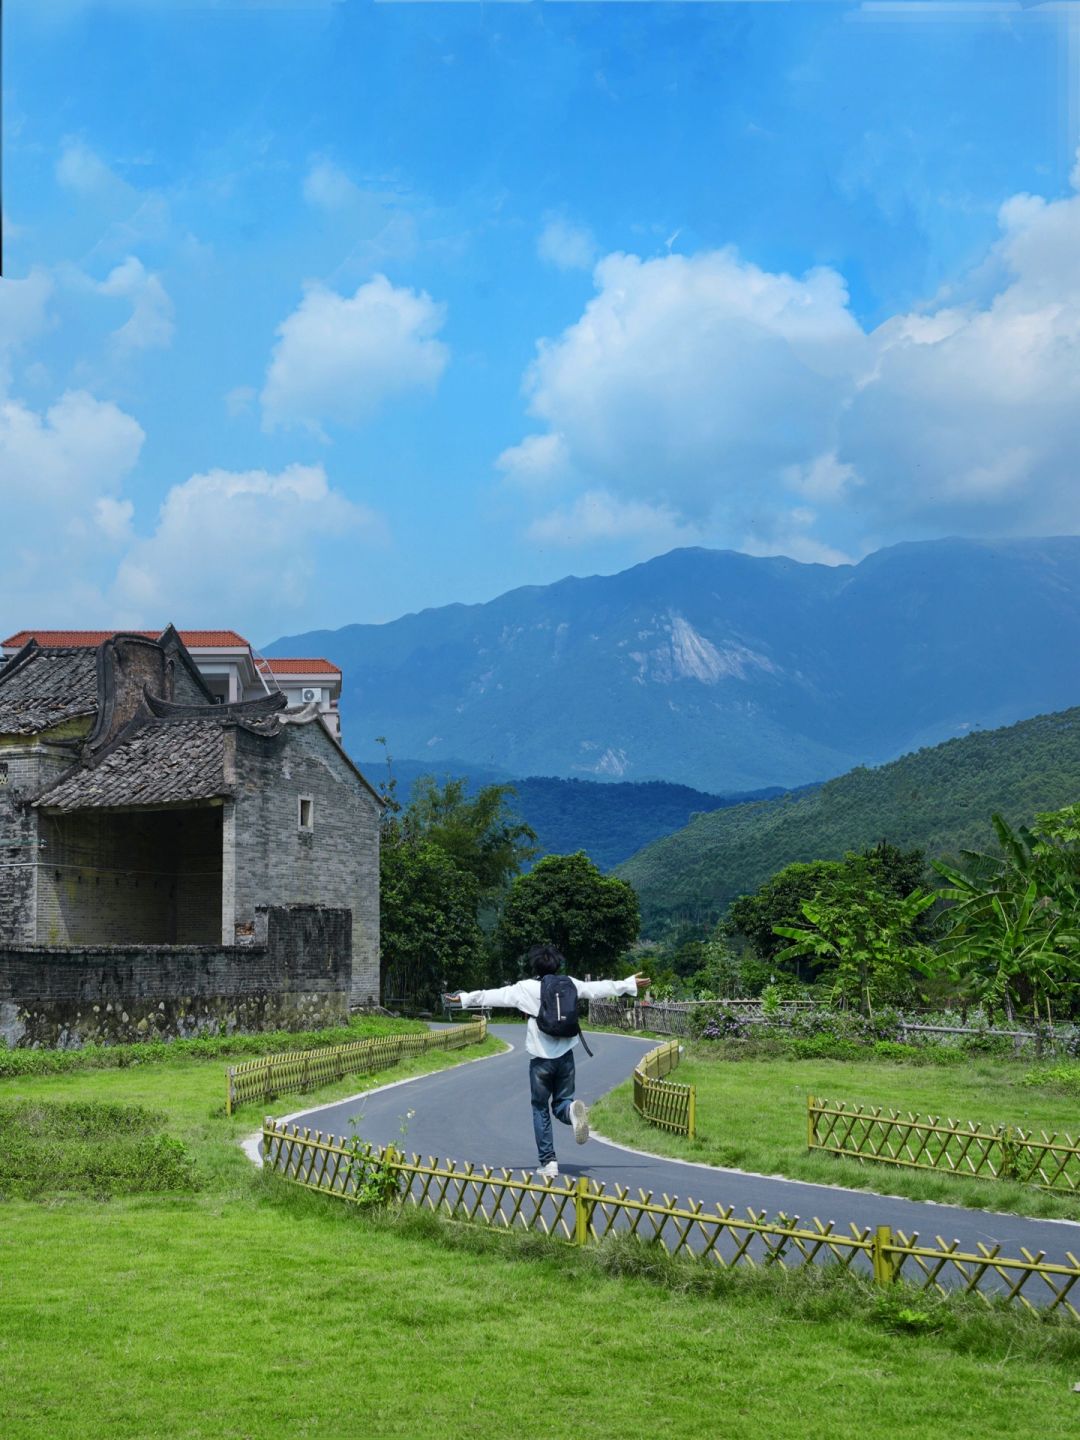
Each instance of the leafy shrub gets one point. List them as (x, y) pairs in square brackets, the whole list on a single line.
[(1064, 1076), (895, 1050), (717, 1022), (910, 1315), (824, 1047), (985, 1043)]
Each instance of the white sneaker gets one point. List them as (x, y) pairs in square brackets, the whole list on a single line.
[(579, 1119), (550, 1171)]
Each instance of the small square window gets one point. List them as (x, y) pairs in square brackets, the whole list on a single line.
[(306, 815)]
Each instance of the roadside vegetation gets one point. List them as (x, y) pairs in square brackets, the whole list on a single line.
[(229, 1046), (250, 1308)]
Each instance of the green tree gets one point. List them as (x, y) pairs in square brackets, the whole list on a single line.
[(444, 860), (479, 832), (1011, 929), (430, 938), (592, 918), (861, 940), (780, 900)]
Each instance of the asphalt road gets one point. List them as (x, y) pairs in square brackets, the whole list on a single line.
[(480, 1112)]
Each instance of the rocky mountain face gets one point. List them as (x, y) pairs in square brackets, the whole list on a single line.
[(721, 670)]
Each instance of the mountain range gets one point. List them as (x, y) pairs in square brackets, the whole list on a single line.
[(718, 670)]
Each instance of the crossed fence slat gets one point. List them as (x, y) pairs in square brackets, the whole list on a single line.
[(294, 1071), (663, 1102), (962, 1147), (584, 1212)]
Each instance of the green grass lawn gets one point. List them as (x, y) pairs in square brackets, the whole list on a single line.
[(751, 1115), (252, 1309)]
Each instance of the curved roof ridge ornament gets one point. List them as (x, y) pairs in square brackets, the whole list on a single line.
[(258, 708)]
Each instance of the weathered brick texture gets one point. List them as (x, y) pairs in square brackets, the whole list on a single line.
[(295, 976), (336, 862)]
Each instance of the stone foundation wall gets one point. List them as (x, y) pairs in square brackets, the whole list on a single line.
[(294, 975)]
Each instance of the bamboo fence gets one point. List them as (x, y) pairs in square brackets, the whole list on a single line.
[(960, 1147), (298, 1070), (661, 1101), (583, 1212)]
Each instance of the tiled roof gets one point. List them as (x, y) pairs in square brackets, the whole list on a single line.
[(301, 667), (46, 687), (166, 762), (200, 639)]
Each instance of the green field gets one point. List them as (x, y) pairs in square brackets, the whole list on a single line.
[(252, 1309), (751, 1115)]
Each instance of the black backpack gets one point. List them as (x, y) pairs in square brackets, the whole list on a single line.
[(559, 1014)]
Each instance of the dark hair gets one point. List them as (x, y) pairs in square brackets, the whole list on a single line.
[(544, 960)]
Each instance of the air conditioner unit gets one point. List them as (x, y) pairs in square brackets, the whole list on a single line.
[(308, 695)]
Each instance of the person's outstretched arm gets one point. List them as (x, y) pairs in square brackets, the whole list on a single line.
[(608, 989), (505, 997)]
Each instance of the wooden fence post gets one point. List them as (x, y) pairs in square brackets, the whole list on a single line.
[(582, 1210), (811, 1123), (691, 1118), (884, 1262)]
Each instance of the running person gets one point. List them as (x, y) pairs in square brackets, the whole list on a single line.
[(551, 1069)]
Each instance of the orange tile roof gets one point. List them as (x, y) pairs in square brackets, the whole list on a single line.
[(199, 639), (301, 667)]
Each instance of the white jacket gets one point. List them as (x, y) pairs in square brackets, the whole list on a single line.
[(525, 996)]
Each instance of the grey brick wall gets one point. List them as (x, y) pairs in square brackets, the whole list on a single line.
[(295, 977), (132, 877), (336, 863)]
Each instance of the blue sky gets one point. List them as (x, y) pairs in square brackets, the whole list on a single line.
[(320, 313)]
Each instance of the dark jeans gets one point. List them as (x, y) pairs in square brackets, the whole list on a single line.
[(551, 1084)]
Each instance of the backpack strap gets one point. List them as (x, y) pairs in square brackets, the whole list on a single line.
[(581, 1037)]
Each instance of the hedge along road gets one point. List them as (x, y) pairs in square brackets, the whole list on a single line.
[(480, 1112)]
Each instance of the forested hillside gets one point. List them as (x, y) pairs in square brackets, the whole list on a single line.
[(939, 798), (609, 822)]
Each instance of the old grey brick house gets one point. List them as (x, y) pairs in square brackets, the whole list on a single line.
[(138, 808)]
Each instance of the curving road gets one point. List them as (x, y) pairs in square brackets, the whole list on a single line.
[(480, 1112)]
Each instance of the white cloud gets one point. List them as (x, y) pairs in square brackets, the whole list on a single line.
[(599, 518), (240, 399), (64, 459), (788, 534), (246, 548), (823, 478), (536, 463), (151, 321), (687, 377), (342, 357), (23, 314), (565, 245), (114, 518), (376, 217), (82, 170), (63, 472), (717, 389), (327, 187)]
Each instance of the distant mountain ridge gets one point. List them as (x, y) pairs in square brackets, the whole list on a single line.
[(609, 822), (722, 671), (940, 799)]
